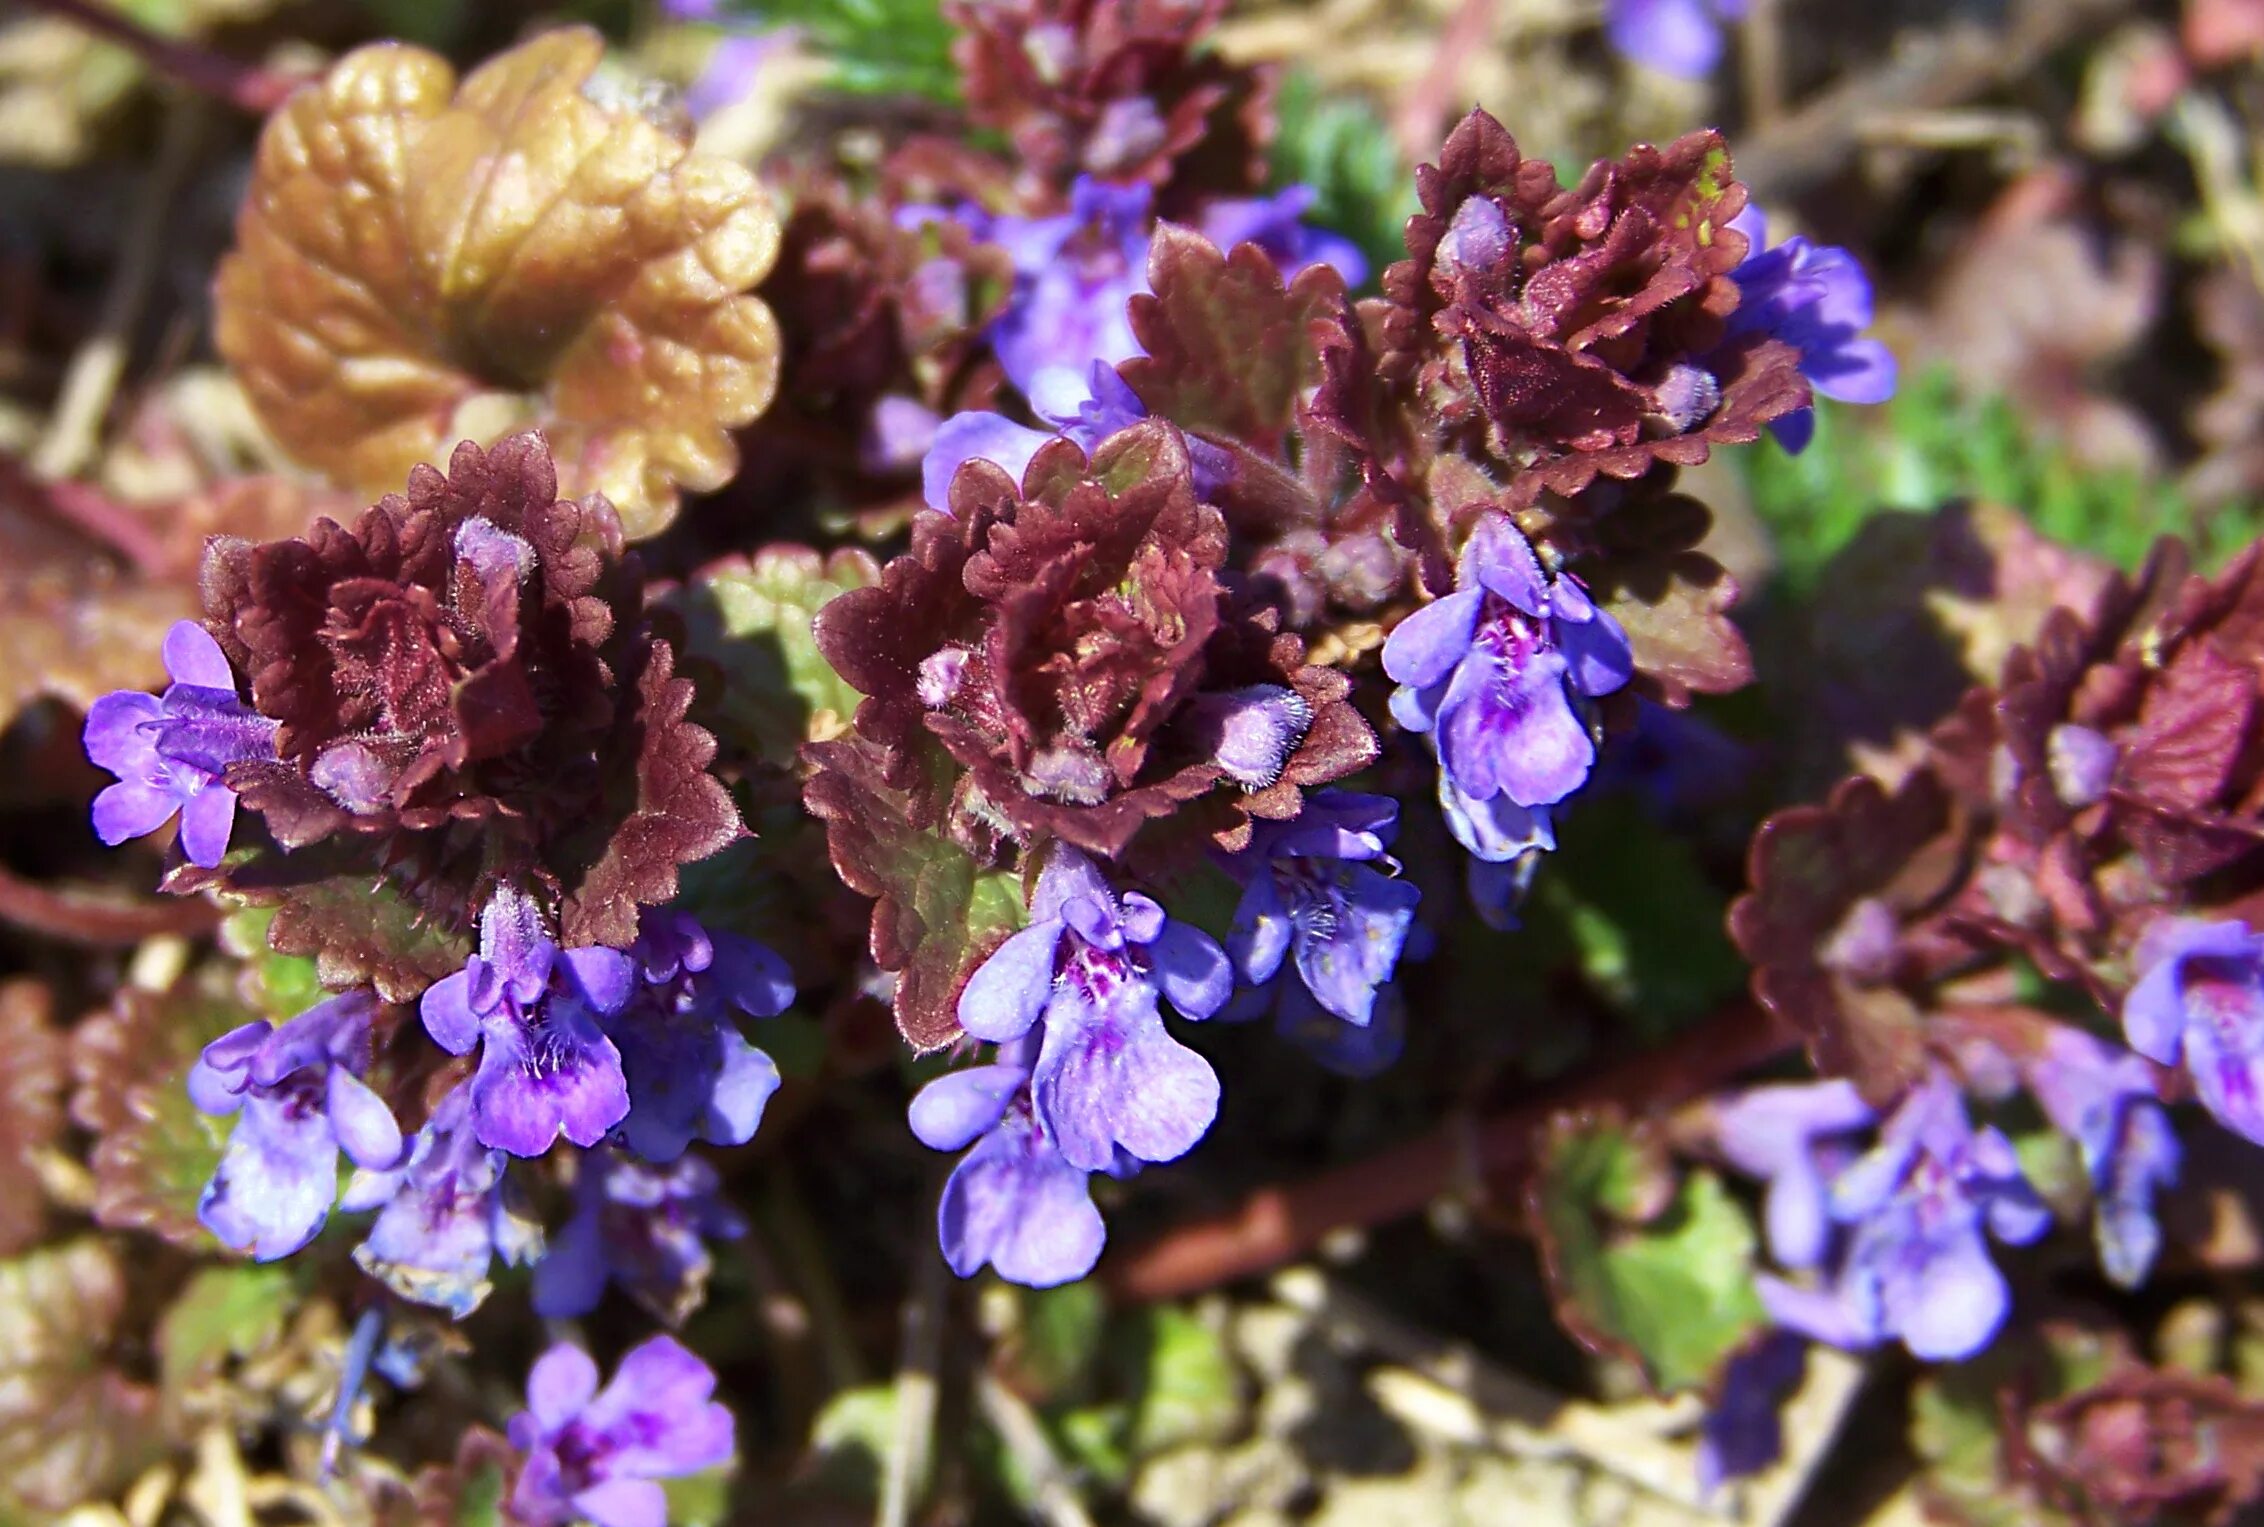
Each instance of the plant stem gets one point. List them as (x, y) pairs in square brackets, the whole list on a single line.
[(79, 919), (247, 87), (1277, 1224), (90, 512)]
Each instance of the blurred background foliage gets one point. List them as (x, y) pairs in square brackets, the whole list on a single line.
[(2059, 200)]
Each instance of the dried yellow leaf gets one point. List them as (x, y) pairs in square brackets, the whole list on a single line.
[(418, 261)]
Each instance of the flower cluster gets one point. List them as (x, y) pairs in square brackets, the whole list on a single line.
[(1096, 656), (460, 702), (1087, 1079), (1181, 574), (2089, 818), (1915, 1266), (459, 689)]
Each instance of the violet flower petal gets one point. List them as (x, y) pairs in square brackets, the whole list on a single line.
[(1113, 1077), (1014, 1203), (953, 1111), (1009, 990), (1192, 969)]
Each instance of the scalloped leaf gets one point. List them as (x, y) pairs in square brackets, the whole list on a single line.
[(936, 912), (680, 813), (154, 1152), (280, 986), (72, 1428), (1810, 868), (358, 925), (31, 1104), (1639, 1266), (1229, 349), (751, 618), (1675, 609), (419, 259)]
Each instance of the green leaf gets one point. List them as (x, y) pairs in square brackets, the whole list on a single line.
[(702, 1499), (1674, 607), (280, 986), (1672, 1290), (1093, 1436), (1191, 1391), (852, 1436), (1645, 918), (72, 1427), (225, 1312), (359, 927), (876, 47), (936, 913), (480, 1501), (752, 620), (154, 1152), (1339, 146), (1056, 1339)]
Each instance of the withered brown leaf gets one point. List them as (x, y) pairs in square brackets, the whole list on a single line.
[(418, 261), (31, 1104), (74, 626), (72, 1427)]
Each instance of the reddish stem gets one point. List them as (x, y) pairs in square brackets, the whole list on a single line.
[(81, 919), (1278, 1224), (247, 87), (93, 514)]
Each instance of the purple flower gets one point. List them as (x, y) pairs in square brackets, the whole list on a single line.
[(1085, 409), (1092, 967), (1676, 763), (170, 752), (596, 1453), (1784, 1135), (1074, 275), (1678, 37), (1012, 1201), (1359, 1051), (1743, 1432), (301, 1099), (899, 433), (2200, 1002), (1497, 888), (547, 1068), (729, 73), (2103, 1098), (1310, 890), (643, 1227), (1815, 298), (1273, 224), (691, 1074), (1916, 1267), (444, 1214), (1490, 673)]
